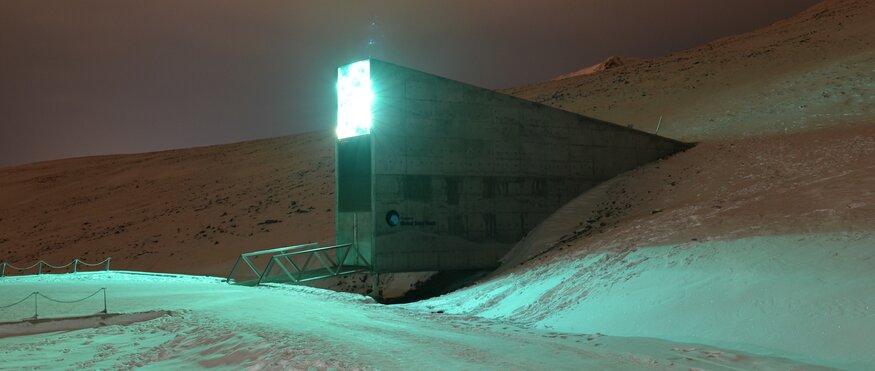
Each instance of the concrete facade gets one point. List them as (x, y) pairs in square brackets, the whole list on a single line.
[(468, 171)]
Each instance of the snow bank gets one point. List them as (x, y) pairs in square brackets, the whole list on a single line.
[(805, 297), (41, 326), (216, 325)]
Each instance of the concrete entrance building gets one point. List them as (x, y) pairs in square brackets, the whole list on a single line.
[(434, 174)]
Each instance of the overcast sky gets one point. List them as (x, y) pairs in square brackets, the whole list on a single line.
[(86, 77)]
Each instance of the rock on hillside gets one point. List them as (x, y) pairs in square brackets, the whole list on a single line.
[(607, 64)]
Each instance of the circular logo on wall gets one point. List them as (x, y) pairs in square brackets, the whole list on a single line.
[(392, 218)]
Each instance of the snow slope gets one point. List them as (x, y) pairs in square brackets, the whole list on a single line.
[(802, 297), (809, 182), (230, 327)]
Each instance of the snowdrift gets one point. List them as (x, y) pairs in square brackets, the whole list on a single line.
[(802, 297), (216, 325)]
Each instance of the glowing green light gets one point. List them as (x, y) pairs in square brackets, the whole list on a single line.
[(354, 99)]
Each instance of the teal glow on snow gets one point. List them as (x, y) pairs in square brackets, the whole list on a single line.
[(355, 98)]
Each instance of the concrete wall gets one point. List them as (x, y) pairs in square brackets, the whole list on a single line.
[(470, 171), (354, 218)]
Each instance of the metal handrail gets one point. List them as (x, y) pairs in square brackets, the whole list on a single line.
[(333, 267), (75, 263), (335, 247), (316, 249), (245, 258), (280, 249)]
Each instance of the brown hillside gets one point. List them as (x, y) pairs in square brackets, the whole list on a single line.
[(812, 70), (185, 211)]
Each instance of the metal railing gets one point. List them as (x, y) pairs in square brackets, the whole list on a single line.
[(36, 295), (327, 267), (247, 258), (40, 264), (314, 263)]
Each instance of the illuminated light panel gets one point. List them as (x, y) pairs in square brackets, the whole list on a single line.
[(355, 98)]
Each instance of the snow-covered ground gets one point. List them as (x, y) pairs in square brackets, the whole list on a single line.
[(217, 325), (803, 297)]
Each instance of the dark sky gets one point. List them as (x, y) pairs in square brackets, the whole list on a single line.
[(90, 77)]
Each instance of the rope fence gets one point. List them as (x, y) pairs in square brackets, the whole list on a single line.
[(40, 264), (36, 295)]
